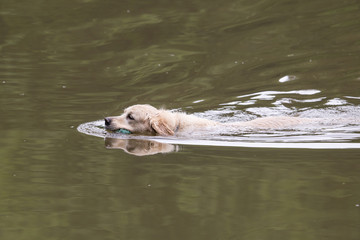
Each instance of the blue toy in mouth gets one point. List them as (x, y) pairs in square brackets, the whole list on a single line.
[(123, 131)]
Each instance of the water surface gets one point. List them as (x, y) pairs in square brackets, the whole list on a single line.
[(66, 63)]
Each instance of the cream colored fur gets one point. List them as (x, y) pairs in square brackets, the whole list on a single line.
[(147, 120)]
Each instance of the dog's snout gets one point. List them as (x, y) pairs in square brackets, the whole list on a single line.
[(107, 121)]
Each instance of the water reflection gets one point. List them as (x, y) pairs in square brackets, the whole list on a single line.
[(140, 147)]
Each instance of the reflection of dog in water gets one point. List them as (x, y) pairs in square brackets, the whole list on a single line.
[(139, 147)]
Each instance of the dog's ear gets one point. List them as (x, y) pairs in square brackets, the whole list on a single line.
[(161, 124)]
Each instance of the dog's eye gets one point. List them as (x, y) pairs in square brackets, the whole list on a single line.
[(129, 116)]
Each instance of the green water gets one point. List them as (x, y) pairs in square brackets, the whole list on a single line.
[(64, 63)]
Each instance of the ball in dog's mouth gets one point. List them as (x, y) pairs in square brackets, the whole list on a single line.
[(123, 131)]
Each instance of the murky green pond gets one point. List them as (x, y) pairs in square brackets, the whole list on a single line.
[(68, 63)]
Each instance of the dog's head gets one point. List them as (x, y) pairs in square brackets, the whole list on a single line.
[(144, 120)]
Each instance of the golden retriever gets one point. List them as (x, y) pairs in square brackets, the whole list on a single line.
[(148, 120)]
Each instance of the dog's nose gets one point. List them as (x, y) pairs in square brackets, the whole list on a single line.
[(107, 121)]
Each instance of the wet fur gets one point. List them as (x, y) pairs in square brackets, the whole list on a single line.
[(148, 120)]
